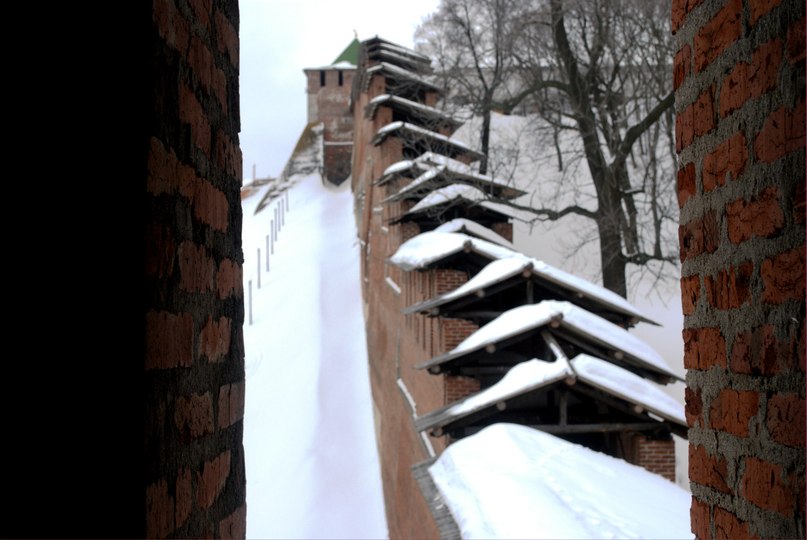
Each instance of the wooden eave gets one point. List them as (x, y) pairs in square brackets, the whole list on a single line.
[(411, 110)]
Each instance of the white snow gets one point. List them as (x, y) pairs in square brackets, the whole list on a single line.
[(519, 379), (430, 111), (400, 72), (398, 166), (412, 128), (427, 248), (434, 159), (629, 386), (523, 318), (511, 481), (472, 228), (502, 269), (311, 456), (470, 194)]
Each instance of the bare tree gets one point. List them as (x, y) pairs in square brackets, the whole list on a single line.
[(473, 43), (599, 70)]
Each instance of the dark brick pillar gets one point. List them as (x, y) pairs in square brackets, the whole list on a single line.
[(739, 82), (194, 358)]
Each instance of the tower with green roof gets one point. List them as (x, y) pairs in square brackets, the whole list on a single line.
[(328, 88)]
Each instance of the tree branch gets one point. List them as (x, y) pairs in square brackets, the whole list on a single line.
[(636, 130)]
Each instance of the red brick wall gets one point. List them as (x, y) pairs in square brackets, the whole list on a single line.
[(657, 456), (457, 388), (194, 371), (739, 83)]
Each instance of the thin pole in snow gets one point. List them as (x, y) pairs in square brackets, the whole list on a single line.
[(272, 236), (253, 171), (267, 252), (250, 302), (259, 268), (287, 200)]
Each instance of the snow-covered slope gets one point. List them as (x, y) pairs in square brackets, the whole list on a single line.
[(311, 459)]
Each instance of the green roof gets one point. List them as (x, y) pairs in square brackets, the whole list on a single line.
[(350, 54)]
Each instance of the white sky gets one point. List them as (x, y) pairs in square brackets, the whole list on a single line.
[(279, 38)]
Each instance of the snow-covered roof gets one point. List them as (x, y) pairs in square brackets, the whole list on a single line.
[(520, 379), (512, 481), (406, 167), (593, 331), (397, 73), (504, 269), (441, 175), (419, 111), (435, 159), (462, 194), (628, 386), (472, 228), (426, 249), (411, 131), (532, 375)]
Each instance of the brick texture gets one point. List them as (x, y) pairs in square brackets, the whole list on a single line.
[(739, 80), (193, 465)]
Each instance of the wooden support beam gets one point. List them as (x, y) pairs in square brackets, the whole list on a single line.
[(598, 428)]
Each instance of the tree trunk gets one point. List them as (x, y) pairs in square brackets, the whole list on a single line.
[(485, 140), (611, 256)]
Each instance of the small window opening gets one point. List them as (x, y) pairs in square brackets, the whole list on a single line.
[(340, 78), (322, 78)]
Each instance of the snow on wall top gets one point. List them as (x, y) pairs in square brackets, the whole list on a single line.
[(397, 71), (427, 248), (425, 110), (503, 269), (532, 316), (629, 386), (412, 129), (472, 228), (554, 490), (534, 374)]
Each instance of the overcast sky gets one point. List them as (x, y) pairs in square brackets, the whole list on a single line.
[(279, 38)]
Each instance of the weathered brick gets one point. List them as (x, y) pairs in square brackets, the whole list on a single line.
[(686, 184), (755, 352), (680, 9), (228, 279), (795, 42), (786, 419), (717, 34), (226, 37), (212, 479), (159, 510), (731, 411), (731, 287), (160, 250), (201, 63), (700, 518), (758, 8), (799, 201), (171, 25), (750, 80), (704, 112), (196, 268), (202, 9), (727, 159), (457, 387), (231, 404), (704, 348), (698, 236), (729, 527), (708, 470), (783, 276), (210, 206), (782, 133), (162, 169), (234, 525), (681, 65), (228, 155), (169, 340), (693, 408), (184, 497), (761, 216), (684, 127), (193, 415), (192, 113), (765, 485), (690, 293), (214, 341)]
